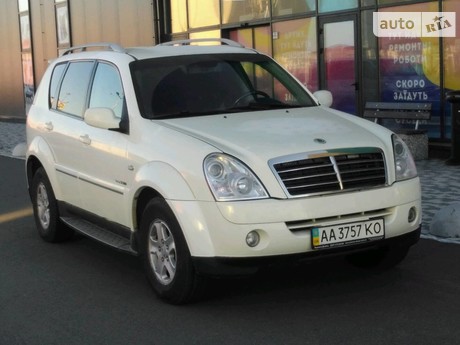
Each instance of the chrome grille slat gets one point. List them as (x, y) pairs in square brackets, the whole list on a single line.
[(306, 177), (315, 185), (331, 172), (304, 168)]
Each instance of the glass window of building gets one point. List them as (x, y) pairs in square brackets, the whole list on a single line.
[(28, 77), (202, 13), (334, 5), (369, 58), (25, 30), (451, 48), (263, 40), (178, 16), (365, 3), (236, 11), (243, 36), (295, 47), (452, 51), (206, 34), (26, 53), (410, 69), (23, 5), (259, 38), (289, 7), (62, 24)]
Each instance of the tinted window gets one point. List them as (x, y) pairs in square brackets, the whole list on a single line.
[(107, 90), (56, 77), (213, 84), (74, 89)]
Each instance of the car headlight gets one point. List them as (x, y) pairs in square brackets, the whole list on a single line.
[(229, 179), (404, 163)]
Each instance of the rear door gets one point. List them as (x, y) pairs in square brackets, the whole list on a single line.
[(68, 95)]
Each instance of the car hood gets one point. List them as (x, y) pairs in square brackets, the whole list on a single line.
[(263, 135)]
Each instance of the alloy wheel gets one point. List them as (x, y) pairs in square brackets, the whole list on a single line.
[(43, 206), (162, 251)]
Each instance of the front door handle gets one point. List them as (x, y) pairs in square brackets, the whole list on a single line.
[(48, 126), (85, 139)]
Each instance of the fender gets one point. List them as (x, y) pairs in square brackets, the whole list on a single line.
[(171, 185), (163, 178), (40, 149)]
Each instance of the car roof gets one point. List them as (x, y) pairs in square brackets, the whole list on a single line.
[(173, 48), (163, 51)]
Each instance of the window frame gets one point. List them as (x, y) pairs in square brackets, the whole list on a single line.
[(54, 107), (91, 85)]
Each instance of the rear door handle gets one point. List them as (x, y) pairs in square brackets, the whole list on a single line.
[(85, 139)]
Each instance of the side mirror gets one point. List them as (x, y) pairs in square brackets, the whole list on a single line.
[(102, 118), (324, 97)]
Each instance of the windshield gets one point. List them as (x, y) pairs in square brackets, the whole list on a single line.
[(196, 85)]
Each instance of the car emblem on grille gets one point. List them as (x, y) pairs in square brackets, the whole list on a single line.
[(319, 141)]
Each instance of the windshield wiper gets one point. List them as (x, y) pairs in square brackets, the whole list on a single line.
[(187, 114), (263, 106)]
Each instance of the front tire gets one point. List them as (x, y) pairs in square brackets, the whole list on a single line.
[(165, 255), (46, 212)]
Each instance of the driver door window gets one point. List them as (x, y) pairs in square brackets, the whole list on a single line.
[(107, 90)]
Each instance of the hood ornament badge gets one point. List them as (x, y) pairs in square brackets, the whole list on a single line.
[(319, 141)]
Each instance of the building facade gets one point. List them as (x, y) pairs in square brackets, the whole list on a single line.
[(326, 44)]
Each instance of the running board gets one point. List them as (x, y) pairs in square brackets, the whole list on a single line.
[(99, 234)]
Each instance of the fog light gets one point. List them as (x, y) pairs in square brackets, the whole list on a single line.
[(252, 239), (412, 214)]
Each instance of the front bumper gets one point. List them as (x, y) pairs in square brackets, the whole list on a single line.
[(219, 230), (224, 266)]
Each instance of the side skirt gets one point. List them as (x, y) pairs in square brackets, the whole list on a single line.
[(99, 229)]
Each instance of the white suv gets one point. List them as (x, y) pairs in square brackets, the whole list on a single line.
[(211, 160)]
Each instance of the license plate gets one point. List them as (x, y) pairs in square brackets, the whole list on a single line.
[(347, 234)]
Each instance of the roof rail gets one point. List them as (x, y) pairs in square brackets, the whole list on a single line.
[(223, 41), (109, 46)]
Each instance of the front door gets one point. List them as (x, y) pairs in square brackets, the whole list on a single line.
[(338, 62)]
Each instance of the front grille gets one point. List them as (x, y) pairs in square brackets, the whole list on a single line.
[(331, 172)]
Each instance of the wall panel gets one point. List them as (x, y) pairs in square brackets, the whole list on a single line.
[(11, 85), (43, 35), (129, 23)]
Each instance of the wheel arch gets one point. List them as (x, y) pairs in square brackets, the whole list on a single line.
[(39, 154), (32, 165), (144, 196), (157, 179)]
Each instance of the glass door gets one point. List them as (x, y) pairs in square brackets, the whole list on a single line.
[(258, 38), (338, 46)]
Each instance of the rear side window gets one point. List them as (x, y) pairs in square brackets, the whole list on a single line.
[(74, 89)]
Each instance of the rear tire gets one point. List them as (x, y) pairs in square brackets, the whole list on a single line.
[(380, 259), (46, 212), (165, 255)]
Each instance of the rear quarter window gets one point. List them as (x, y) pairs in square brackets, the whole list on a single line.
[(54, 85)]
